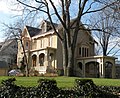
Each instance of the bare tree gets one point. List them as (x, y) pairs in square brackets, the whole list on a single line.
[(68, 40), (109, 26), (15, 31)]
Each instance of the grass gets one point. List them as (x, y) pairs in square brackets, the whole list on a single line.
[(63, 82)]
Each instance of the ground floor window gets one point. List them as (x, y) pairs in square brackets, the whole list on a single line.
[(41, 59), (34, 59)]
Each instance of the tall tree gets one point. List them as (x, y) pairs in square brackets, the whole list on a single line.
[(109, 27), (66, 8)]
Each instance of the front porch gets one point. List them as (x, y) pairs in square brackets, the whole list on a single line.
[(43, 60), (95, 67)]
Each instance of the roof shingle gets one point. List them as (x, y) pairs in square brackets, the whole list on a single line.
[(33, 31)]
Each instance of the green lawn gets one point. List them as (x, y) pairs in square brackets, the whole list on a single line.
[(62, 81)]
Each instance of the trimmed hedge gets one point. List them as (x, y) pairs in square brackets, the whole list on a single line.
[(47, 88), (86, 87)]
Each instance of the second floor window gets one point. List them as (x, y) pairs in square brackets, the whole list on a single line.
[(41, 44), (83, 51), (50, 41)]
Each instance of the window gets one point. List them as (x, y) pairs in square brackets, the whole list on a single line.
[(50, 41), (83, 51), (27, 45), (40, 43), (49, 27), (3, 59), (34, 59), (80, 51), (41, 59), (87, 52)]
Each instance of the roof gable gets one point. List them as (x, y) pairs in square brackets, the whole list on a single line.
[(5, 45), (33, 31)]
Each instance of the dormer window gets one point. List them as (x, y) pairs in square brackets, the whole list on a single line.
[(43, 27), (49, 27), (46, 26)]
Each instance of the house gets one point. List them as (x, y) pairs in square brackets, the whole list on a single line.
[(8, 52), (44, 52), (4, 68)]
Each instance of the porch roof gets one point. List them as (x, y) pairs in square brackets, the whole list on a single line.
[(33, 50), (96, 57)]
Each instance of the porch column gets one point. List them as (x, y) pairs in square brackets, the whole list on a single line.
[(113, 71), (37, 61), (103, 68), (83, 68), (100, 71), (46, 62)]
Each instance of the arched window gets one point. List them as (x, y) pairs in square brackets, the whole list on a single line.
[(83, 51), (34, 59), (108, 69), (41, 59)]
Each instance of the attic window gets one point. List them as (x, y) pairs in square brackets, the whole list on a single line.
[(27, 44), (43, 27), (46, 26), (49, 27)]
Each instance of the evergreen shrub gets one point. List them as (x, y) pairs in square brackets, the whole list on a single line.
[(47, 88)]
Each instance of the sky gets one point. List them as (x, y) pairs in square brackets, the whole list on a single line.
[(7, 15)]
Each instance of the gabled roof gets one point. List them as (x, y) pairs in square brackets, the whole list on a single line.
[(5, 44), (33, 31)]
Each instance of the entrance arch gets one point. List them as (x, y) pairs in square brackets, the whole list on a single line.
[(79, 69), (92, 69), (34, 59), (108, 69)]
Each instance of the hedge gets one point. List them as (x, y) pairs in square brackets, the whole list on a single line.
[(47, 88)]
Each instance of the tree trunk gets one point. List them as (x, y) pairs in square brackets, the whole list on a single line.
[(65, 58), (25, 58), (104, 51), (70, 67)]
